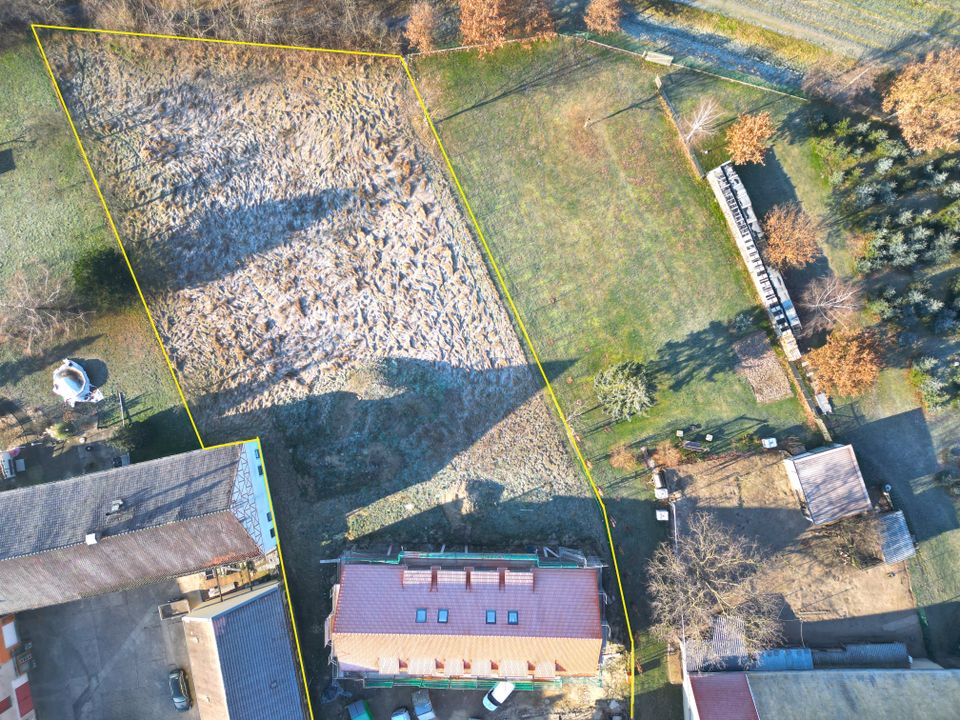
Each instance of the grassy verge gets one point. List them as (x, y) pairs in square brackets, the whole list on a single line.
[(49, 214), (611, 249)]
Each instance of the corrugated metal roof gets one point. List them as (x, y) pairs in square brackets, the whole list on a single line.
[(784, 659), (723, 696), (725, 650), (832, 485), (895, 539), (60, 514), (244, 659), (864, 655)]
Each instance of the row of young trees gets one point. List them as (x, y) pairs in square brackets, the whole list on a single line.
[(491, 22)]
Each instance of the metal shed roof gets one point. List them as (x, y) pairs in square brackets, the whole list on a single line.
[(832, 485), (895, 539)]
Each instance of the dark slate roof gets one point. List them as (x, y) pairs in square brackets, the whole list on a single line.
[(254, 647), (123, 561), (895, 539), (833, 487), (60, 514)]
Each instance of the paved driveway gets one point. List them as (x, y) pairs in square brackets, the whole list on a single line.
[(106, 658)]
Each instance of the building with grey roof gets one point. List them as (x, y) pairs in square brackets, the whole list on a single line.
[(847, 694), (242, 658), (828, 483), (132, 525)]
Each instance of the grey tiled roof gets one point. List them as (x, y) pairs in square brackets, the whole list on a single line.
[(258, 672), (60, 514)]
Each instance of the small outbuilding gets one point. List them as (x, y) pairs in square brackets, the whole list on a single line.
[(895, 539), (829, 483)]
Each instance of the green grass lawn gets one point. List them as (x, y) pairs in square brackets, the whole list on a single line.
[(612, 250), (897, 441), (49, 213)]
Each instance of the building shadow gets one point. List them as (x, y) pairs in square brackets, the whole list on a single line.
[(898, 451)]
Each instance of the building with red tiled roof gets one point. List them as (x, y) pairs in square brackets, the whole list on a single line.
[(467, 616)]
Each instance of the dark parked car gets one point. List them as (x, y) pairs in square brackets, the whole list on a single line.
[(179, 689)]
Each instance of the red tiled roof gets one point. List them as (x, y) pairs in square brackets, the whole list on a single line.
[(558, 617), (723, 696), (561, 602)]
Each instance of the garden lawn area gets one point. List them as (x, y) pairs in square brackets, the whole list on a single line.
[(611, 250), (896, 439), (49, 214)]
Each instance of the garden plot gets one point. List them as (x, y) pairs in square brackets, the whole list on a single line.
[(759, 365), (314, 283)]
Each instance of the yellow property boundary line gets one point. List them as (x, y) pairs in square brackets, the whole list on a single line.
[(493, 264)]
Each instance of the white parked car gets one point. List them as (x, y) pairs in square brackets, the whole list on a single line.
[(497, 695)]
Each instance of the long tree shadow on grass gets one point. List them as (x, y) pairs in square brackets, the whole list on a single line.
[(12, 371), (700, 357), (534, 78)]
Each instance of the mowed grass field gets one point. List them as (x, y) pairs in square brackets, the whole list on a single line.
[(897, 441), (612, 250), (50, 213), (610, 247)]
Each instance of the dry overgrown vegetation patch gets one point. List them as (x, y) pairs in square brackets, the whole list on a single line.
[(314, 282), (759, 365)]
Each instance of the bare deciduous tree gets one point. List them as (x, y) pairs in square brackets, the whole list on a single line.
[(701, 123), (830, 301), (710, 579), (603, 16), (422, 27), (35, 307)]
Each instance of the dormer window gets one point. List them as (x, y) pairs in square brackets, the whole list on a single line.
[(421, 615), (491, 617), (513, 617)]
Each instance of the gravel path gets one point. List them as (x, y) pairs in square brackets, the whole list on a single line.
[(706, 49)]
